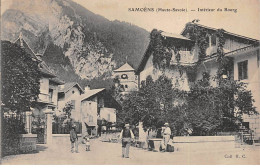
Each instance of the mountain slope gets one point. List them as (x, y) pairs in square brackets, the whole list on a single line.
[(93, 45)]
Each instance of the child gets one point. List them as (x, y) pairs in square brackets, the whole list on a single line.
[(87, 142)]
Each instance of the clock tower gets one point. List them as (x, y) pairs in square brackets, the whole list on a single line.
[(128, 79)]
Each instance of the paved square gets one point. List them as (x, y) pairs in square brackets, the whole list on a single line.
[(110, 153)]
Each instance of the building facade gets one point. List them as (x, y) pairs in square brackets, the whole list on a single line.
[(97, 105), (247, 70), (186, 56), (243, 51), (43, 109), (70, 93), (127, 78)]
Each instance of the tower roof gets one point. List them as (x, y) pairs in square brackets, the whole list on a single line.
[(125, 67)]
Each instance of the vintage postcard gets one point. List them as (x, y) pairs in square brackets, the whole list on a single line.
[(130, 82)]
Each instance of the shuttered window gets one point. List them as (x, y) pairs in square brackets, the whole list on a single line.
[(73, 104), (242, 70), (50, 95)]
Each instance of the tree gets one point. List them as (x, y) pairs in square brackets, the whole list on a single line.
[(116, 90), (211, 109), (152, 104), (204, 109), (161, 50), (67, 109), (20, 78), (20, 87)]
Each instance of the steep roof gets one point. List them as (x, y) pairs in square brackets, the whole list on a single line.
[(109, 100), (92, 92), (43, 67), (125, 67), (214, 29), (68, 86), (20, 41), (57, 80), (144, 59)]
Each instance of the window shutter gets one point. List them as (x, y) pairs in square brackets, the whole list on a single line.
[(239, 70), (245, 69), (242, 70)]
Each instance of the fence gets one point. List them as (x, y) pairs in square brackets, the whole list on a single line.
[(59, 128), (38, 127)]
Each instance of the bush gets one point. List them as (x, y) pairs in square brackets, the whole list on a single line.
[(204, 110), (12, 128)]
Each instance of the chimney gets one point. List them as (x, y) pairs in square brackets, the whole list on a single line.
[(21, 39), (87, 88)]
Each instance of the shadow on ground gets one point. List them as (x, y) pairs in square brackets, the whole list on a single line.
[(39, 148)]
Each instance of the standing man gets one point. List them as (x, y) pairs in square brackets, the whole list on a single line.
[(127, 136), (74, 139), (166, 134), (99, 131)]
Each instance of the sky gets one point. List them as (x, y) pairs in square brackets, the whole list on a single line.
[(246, 21)]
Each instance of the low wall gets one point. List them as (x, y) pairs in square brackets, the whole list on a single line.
[(27, 143), (204, 143), (201, 143), (198, 139), (63, 135)]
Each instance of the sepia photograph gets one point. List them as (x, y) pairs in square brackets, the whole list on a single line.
[(130, 82)]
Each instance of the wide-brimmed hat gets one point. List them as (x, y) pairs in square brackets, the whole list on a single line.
[(127, 125), (166, 124)]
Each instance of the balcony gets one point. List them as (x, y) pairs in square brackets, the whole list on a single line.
[(44, 98), (185, 57)]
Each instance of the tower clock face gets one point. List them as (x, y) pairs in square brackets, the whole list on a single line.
[(124, 76)]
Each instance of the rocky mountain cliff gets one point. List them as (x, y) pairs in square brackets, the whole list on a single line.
[(76, 43)]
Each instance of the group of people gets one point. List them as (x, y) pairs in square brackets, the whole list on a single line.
[(74, 140), (126, 136)]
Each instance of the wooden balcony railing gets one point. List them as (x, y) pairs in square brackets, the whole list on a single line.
[(44, 98)]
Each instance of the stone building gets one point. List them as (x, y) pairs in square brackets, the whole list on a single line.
[(243, 51), (46, 105), (70, 92), (127, 78), (97, 104)]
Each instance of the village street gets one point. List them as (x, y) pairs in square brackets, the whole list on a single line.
[(110, 153)]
